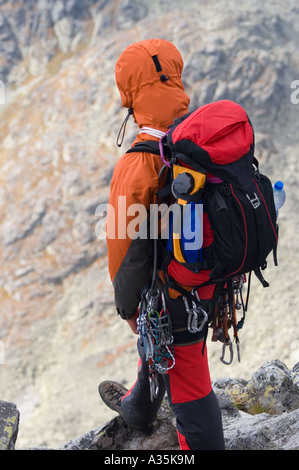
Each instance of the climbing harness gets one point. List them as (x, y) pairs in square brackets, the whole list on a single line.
[(155, 333)]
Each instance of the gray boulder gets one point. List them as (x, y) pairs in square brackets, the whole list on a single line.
[(9, 425)]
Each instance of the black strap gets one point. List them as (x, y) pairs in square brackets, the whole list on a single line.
[(150, 146), (191, 162), (220, 201), (260, 277), (157, 63), (275, 249)]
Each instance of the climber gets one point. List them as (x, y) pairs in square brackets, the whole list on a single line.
[(148, 76)]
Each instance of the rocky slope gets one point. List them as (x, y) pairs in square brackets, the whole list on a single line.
[(58, 127), (259, 414)]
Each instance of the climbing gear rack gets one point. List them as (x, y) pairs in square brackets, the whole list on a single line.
[(155, 333), (228, 301)]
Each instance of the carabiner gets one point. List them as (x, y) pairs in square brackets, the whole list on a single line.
[(154, 386), (164, 309), (193, 325), (230, 346), (152, 297), (198, 309)]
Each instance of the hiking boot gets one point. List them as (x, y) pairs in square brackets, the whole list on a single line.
[(112, 394)]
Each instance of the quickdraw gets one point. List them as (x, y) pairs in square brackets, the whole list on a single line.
[(155, 333)]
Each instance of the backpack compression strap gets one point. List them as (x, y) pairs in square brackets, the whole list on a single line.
[(150, 146)]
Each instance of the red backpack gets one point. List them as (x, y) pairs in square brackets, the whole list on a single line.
[(217, 141)]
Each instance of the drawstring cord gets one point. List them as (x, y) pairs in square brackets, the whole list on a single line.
[(122, 130), (151, 131)]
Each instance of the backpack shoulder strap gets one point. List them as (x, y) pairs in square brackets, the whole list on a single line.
[(150, 146)]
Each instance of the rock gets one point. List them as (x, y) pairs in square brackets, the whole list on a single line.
[(228, 408), (273, 389), (87, 441), (242, 431), (9, 424), (118, 435), (263, 432), (10, 52), (234, 387), (295, 374)]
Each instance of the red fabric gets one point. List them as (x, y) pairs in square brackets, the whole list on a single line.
[(206, 292), (182, 441), (190, 378), (186, 277), (221, 128)]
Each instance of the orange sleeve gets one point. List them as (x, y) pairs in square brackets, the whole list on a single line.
[(133, 187)]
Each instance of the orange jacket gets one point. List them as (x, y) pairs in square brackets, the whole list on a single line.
[(148, 76)]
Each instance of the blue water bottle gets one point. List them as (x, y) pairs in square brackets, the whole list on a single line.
[(279, 195)]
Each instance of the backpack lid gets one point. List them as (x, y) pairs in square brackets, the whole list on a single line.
[(219, 137)]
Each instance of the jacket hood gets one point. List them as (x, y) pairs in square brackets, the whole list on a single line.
[(148, 76)]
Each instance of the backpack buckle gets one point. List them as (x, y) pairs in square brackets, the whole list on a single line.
[(255, 202)]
